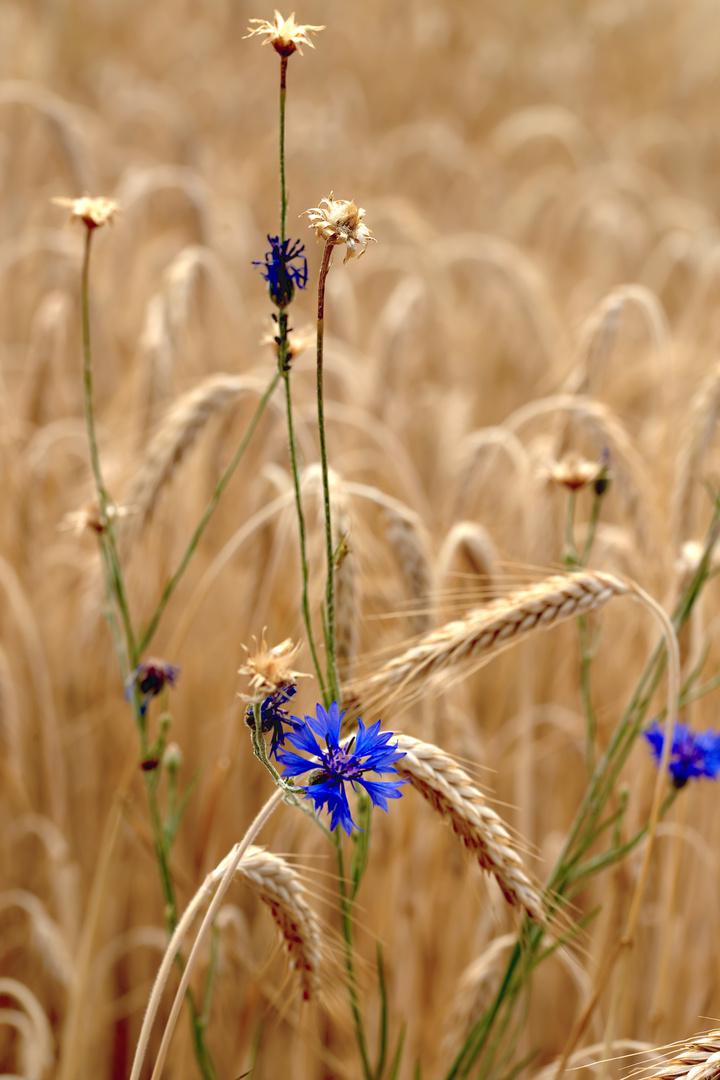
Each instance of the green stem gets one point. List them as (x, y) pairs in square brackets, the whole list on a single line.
[(107, 538), (222, 483), (282, 319), (592, 529), (347, 929), (128, 652), (586, 658), (333, 692), (609, 858)]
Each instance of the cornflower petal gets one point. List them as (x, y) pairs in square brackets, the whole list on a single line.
[(692, 754), (380, 792), (339, 763)]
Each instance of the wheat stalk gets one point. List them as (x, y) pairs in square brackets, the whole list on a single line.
[(467, 643), (453, 794)]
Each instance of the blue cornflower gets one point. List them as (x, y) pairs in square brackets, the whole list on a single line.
[(280, 273), (691, 753), (273, 716), (149, 678), (368, 751)]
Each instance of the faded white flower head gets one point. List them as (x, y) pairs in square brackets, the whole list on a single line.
[(339, 221), (298, 341), (93, 212), (575, 472), (91, 518), (269, 669), (284, 35)]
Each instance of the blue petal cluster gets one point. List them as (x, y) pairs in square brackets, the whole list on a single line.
[(273, 717), (284, 267), (691, 753), (149, 678), (367, 752)]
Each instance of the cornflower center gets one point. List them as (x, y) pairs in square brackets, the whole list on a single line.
[(338, 761)]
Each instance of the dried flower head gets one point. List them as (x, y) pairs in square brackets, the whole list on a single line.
[(273, 717), (284, 35), (574, 472), (285, 266), (337, 221), (298, 341), (269, 669), (91, 518), (93, 212)]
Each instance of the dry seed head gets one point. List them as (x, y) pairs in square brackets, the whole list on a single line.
[(284, 35), (93, 212), (574, 472), (298, 341), (339, 221), (91, 517), (269, 669)]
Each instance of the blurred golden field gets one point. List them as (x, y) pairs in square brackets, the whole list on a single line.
[(541, 179)]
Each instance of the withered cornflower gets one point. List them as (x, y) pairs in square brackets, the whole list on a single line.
[(339, 221), (284, 35), (93, 212), (285, 266), (370, 751), (273, 718), (150, 677), (692, 753)]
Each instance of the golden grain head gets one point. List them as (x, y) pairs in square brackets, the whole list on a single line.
[(269, 669), (284, 35), (339, 221), (93, 212)]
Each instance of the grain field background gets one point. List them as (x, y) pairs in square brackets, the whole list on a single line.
[(541, 180)]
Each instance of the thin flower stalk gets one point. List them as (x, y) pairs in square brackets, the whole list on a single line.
[(333, 692), (304, 565), (285, 37), (106, 535), (173, 582)]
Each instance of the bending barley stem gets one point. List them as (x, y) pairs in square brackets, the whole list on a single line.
[(180, 932)]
